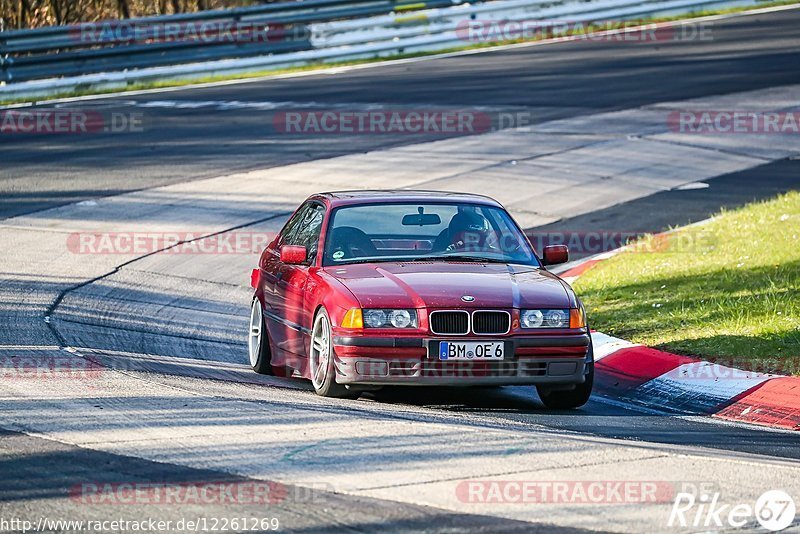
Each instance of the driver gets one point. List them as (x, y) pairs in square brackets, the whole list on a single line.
[(468, 230)]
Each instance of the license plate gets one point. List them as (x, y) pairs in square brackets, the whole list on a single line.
[(471, 350)]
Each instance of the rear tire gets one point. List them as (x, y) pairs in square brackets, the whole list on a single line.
[(258, 341), (321, 360)]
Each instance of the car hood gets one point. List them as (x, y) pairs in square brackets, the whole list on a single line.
[(441, 285)]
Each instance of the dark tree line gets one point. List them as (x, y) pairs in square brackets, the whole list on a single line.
[(35, 13)]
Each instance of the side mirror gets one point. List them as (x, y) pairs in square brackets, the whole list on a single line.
[(555, 254), (293, 254)]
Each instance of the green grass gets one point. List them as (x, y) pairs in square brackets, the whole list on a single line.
[(136, 86), (728, 290)]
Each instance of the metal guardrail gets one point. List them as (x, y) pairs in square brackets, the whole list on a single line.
[(58, 51), (299, 33)]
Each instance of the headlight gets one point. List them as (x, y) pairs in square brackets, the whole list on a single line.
[(545, 318), (374, 318), (390, 318), (532, 318)]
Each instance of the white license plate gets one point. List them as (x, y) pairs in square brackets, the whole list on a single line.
[(471, 350)]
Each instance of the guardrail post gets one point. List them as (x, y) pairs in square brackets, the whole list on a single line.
[(3, 55), (5, 65)]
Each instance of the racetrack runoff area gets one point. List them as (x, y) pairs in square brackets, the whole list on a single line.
[(164, 332)]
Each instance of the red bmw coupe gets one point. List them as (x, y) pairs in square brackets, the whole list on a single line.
[(368, 288)]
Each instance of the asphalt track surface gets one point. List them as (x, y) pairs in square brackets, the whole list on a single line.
[(550, 82), (545, 82)]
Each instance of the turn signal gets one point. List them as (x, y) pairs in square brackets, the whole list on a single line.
[(577, 319), (353, 319)]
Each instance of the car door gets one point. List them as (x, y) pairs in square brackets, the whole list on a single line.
[(273, 270), (290, 283)]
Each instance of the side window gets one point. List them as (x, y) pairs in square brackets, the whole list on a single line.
[(291, 227), (308, 230)]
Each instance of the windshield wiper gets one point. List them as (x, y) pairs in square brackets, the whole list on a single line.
[(373, 259), (421, 259), (461, 257)]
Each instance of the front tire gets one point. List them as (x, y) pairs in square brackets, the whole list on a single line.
[(258, 341), (321, 360), (571, 398)]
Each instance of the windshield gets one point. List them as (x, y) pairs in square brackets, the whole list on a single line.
[(425, 232)]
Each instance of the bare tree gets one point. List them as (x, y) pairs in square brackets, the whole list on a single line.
[(123, 9), (35, 13), (22, 14)]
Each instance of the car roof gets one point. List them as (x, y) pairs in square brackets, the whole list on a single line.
[(357, 197)]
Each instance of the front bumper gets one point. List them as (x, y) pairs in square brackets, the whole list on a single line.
[(528, 360)]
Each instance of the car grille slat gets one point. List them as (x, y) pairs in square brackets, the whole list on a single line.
[(449, 322), (491, 322)]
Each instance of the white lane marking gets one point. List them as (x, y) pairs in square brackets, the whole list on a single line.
[(273, 105), (30, 347), (387, 63), (692, 185)]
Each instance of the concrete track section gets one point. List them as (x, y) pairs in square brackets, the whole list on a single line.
[(90, 488), (130, 354), (197, 133)]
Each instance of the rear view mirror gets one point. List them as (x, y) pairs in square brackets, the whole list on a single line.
[(555, 254), (293, 254), (421, 219)]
